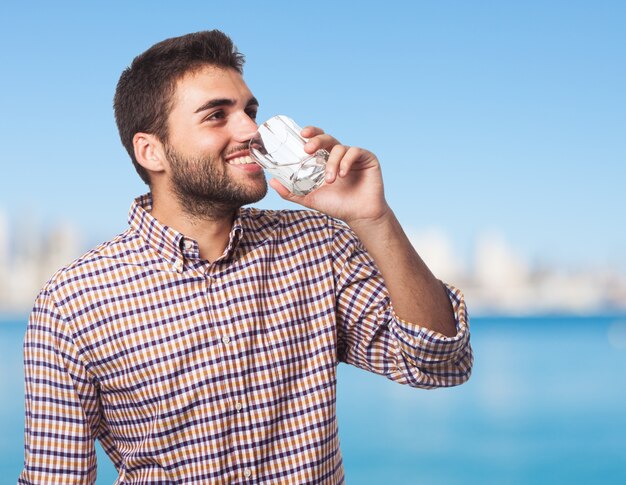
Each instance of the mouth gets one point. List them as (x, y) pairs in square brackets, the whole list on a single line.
[(240, 158), (243, 161)]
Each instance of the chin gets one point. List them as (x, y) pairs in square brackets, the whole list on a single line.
[(254, 194)]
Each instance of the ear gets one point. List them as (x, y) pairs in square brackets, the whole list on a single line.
[(149, 152)]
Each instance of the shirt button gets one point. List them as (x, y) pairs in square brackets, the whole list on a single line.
[(187, 244), (247, 473), (178, 266), (226, 339), (238, 406)]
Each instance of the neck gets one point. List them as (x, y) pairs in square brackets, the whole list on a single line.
[(210, 228)]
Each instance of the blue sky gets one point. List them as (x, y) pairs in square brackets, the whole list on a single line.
[(505, 116)]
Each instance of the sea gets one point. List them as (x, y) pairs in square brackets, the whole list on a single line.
[(546, 404)]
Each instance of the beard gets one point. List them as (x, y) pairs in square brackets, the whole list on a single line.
[(205, 190)]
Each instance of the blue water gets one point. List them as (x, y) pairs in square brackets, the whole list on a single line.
[(546, 404)]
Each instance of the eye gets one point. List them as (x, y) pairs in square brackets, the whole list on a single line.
[(252, 112), (217, 115)]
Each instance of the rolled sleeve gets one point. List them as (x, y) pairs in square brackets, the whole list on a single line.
[(442, 361)]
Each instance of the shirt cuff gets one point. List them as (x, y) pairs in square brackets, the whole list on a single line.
[(425, 346)]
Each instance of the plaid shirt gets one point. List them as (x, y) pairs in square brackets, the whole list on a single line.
[(224, 372)]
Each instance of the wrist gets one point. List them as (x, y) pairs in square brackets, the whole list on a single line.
[(382, 218)]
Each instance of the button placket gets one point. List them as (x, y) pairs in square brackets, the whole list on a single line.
[(209, 279), (230, 342)]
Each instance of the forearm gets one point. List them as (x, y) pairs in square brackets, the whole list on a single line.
[(416, 295)]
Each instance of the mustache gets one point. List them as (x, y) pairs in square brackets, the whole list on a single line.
[(237, 149)]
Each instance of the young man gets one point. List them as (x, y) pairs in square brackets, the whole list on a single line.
[(201, 345)]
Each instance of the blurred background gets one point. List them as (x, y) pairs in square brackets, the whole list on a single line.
[(500, 127)]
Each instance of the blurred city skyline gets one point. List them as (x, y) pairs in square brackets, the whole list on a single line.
[(496, 277)]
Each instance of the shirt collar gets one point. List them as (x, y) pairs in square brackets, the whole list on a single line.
[(166, 241)]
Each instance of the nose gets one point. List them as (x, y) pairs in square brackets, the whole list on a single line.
[(245, 129)]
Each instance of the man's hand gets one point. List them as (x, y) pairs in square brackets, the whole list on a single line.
[(353, 188)]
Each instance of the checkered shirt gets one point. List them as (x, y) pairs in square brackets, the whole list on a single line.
[(225, 372)]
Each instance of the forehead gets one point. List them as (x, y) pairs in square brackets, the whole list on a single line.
[(207, 82)]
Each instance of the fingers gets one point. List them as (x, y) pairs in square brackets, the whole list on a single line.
[(340, 161), (317, 139), (311, 131), (334, 160), (352, 155), (342, 158), (318, 142)]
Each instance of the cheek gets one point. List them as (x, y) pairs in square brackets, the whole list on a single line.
[(213, 145), (201, 141), (206, 152)]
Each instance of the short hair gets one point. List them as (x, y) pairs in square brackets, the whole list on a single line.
[(144, 94)]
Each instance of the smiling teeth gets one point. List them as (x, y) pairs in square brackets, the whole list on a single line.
[(241, 160)]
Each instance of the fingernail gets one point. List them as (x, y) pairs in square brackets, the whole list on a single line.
[(342, 173), (329, 175)]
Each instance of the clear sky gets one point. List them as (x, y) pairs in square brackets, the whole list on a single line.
[(499, 116)]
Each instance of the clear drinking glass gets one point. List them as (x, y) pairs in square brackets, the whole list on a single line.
[(278, 147)]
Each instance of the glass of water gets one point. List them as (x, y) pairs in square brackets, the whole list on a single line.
[(279, 148)]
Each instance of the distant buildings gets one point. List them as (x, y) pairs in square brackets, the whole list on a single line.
[(29, 256), (498, 280), (495, 280)]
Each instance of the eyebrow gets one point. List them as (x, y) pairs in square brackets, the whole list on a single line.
[(214, 103)]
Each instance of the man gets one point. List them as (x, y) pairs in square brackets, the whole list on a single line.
[(201, 345)]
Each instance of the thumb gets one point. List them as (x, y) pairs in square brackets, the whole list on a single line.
[(284, 192)]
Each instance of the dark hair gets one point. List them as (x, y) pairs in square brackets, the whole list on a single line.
[(143, 97)]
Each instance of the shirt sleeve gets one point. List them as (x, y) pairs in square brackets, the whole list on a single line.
[(62, 404), (372, 337)]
